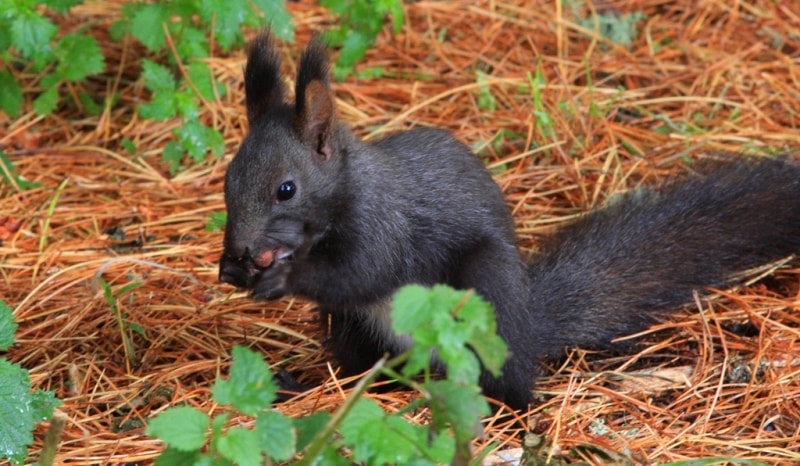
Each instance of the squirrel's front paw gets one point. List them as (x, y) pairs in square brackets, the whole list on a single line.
[(272, 282)]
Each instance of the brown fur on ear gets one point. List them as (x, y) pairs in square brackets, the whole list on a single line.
[(315, 108), (316, 123)]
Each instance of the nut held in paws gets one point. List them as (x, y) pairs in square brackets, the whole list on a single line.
[(265, 259)]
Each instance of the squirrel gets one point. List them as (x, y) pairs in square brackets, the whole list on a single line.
[(314, 211)]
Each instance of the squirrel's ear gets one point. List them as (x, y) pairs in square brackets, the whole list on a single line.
[(315, 108), (262, 81)]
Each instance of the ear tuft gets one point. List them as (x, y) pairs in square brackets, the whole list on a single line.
[(315, 108), (262, 79)]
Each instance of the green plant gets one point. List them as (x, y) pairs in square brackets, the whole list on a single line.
[(360, 21), (21, 408), (9, 174), (439, 319), (125, 327), (216, 221), (28, 40), (544, 122), (181, 29), (179, 37)]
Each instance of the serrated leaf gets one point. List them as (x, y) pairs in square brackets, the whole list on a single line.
[(78, 56), (31, 35), (250, 388), (329, 456), (192, 44), (203, 81), (277, 435), (278, 18), (240, 445), (193, 138), (308, 427), (458, 405), (43, 403), (158, 78), (147, 24), (163, 103), (15, 420), (174, 457), (228, 16), (11, 98), (7, 326), (172, 154), (376, 437), (46, 102), (216, 143), (183, 428), (354, 47)]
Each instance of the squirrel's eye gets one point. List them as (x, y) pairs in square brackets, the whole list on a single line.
[(286, 191)]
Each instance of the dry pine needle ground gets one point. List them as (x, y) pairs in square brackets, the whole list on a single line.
[(699, 78)]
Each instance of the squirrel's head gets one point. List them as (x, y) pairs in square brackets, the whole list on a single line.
[(281, 188)]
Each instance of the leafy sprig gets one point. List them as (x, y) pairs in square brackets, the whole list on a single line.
[(439, 319)]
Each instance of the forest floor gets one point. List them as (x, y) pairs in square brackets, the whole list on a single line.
[(564, 116)]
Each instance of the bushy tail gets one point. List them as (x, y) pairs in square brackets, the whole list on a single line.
[(609, 274)]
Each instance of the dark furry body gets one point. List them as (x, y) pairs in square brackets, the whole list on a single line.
[(419, 207)]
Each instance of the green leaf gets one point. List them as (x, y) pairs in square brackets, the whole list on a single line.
[(172, 154), (62, 6), (250, 388), (425, 315), (43, 403), (7, 326), (354, 47), (216, 143), (157, 77), (147, 24), (174, 457), (240, 445), (192, 44), (31, 35), (16, 422), (11, 98), (8, 167), (201, 77), (163, 103), (183, 428), (89, 104), (277, 435), (278, 17), (329, 456), (46, 102), (376, 437), (129, 146), (457, 405), (308, 427), (20, 410), (227, 16), (216, 221), (78, 56), (193, 137)]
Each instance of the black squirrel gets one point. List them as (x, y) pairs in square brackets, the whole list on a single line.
[(313, 211)]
